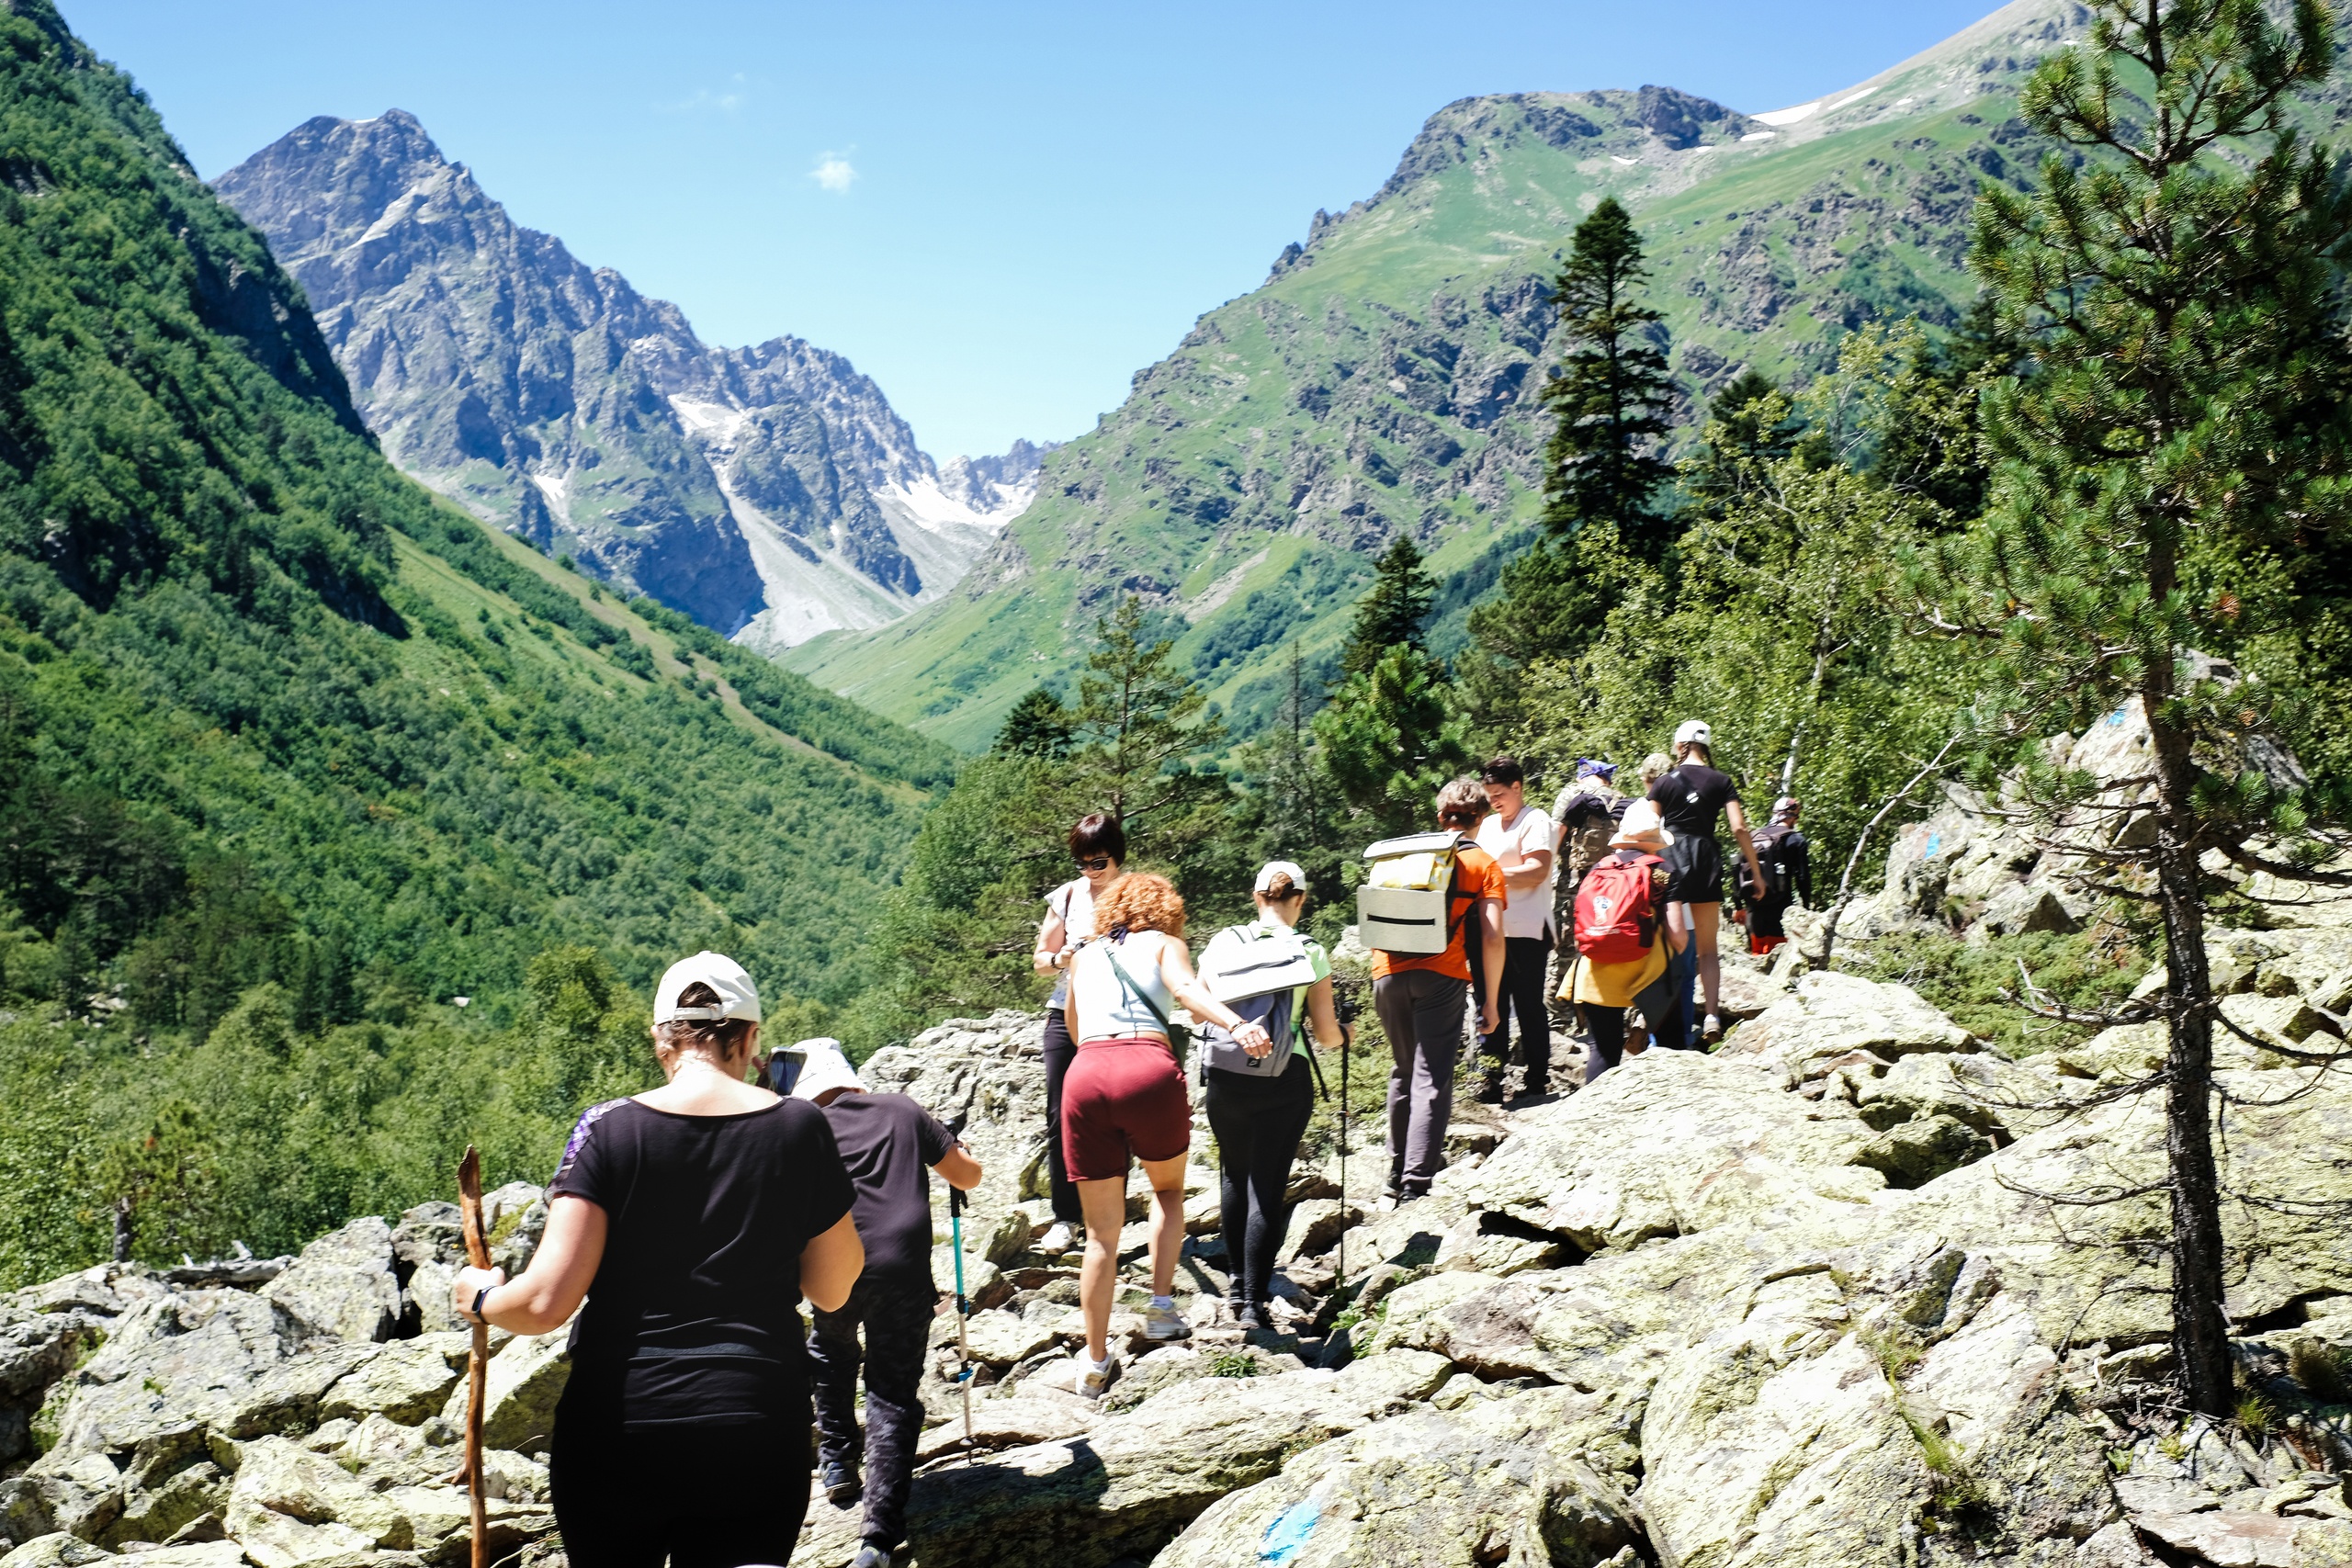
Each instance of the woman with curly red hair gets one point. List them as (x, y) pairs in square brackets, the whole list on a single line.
[(1124, 1097)]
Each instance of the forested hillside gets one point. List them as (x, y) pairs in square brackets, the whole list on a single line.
[(285, 741)]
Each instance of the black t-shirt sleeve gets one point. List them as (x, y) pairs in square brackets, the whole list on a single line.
[(933, 1139), (587, 1169), (821, 1174)]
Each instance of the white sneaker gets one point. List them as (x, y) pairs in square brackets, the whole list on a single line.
[(1711, 1029), (1094, 1381), (1059, 1238), (1162, 1323)]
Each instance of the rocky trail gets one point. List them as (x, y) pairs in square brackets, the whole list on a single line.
[(1808, 1299)]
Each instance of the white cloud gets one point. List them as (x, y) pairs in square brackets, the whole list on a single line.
[(724, 99), (833, 173)]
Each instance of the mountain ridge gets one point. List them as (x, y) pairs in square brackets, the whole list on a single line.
[(768, 491), (1387, 375)]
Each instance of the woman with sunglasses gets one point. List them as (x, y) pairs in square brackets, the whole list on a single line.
[(1099, 845)]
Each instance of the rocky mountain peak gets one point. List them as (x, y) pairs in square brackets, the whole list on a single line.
[(769, 492)]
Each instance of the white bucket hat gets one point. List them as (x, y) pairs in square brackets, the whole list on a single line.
[(1641, 829), (823, 1066), (738, 998)]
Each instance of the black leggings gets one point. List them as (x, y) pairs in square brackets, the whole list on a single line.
[(1258, 1123), (1060, 1051), (748, 1493)]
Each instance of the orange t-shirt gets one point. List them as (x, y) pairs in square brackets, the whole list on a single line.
[(1477, 876)]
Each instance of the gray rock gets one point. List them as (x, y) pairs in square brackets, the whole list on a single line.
[(343, 1286), (1912, 1153), (1829, 1015), (286, 1399), (77, 1493), (526, 1377), (171, 1360), (55, 1550), (405, 1382)]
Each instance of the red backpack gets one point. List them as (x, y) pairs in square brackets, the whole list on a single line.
[(1615, 922)]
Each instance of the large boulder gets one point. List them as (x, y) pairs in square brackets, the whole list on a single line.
[(1511, 1481), (1670, 1144), (1134, 1480), (78, 1493), (34, 1353), (171, 1360), (1829, 1017), (344, 1285), (525, 1377)]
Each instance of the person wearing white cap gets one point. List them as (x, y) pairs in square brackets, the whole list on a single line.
[(692, 1218), (1635, 879), (889, 1143), (1258, 1121), (1689, 796)]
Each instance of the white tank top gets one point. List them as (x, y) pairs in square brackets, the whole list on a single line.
[(1109, 1009)]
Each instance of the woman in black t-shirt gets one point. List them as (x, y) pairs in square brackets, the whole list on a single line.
[(1689, 796), (693, 1218)]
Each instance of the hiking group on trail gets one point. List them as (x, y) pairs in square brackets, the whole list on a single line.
[(684, 1225)]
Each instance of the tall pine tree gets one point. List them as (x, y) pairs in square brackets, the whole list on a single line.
[(1605, 463), (2163, 483), (1392, 614)]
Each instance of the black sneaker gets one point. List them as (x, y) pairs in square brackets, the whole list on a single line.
[(842, 1486), (1490, 1087), (1248, 1315), (871, 1554)]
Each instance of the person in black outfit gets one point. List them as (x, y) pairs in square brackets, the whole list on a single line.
[(1787, 860), (1098, 845), (1689, 796), (887, 1142), (693, 1218), (1257, 1122)]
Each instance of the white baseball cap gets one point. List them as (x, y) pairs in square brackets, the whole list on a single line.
[(1694, 729), (738, 998), (823, 1066), (1267, 873)]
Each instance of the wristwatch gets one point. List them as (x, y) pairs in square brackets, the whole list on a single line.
[(481, 1296)]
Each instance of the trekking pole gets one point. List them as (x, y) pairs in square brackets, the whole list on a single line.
[(963, 1311), (478, 1359), (1347, 1047)]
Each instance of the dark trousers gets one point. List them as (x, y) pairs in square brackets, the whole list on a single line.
[(897, 1312), (1522, 995), (1060, 1051), (1764, 918), (1258, 1123), (1421, 1011), (749, 1493), (1605, 1026)]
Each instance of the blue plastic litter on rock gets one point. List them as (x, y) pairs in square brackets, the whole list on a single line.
[(2117, 717), (1289, 1531), (1934, 842)]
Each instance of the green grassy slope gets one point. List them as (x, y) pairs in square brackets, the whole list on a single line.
[(1385, 378), (271, 712)]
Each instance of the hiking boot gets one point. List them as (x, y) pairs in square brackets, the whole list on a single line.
[(1248, 1315), (1490, 1087), (1092, 1383), (1163, 1323), (1060, 1236), (842, 1486), (871, 1554)]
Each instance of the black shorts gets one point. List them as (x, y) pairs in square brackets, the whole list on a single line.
[(1697, 866)]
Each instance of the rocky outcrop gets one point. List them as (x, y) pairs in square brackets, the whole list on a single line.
[(1807, 1301), (551, 399)]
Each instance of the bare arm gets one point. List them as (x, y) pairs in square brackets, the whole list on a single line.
[(1322, 1016), (1052, 935), (959, 1170), (546, 1293), (1738, 818), (1534, 868), (1176, 970), (1490, 944), (830, 1264)]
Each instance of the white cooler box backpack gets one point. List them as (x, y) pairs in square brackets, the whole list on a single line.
[(1404, 903)]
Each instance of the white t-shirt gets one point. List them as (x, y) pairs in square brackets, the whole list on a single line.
[(1074, 902), (1529, 910)]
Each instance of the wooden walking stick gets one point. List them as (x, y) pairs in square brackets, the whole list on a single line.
[(478, 1362)]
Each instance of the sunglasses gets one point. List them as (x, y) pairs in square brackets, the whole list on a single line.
[(1098, 863)]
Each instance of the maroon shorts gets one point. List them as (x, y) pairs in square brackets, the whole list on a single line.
[(1123, 1097)]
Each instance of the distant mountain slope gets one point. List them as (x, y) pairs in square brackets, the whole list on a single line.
[(269, 711), (768, 491), (1386, 376)]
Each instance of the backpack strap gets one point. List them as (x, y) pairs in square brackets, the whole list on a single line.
[(1110, 951)]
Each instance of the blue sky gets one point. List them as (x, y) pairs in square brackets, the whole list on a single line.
[(1001, 212)]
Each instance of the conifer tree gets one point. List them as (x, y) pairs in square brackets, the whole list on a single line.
[(1603, 464), (2162, 481), (1038, 726), (1138, 717), (1391, 614)]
